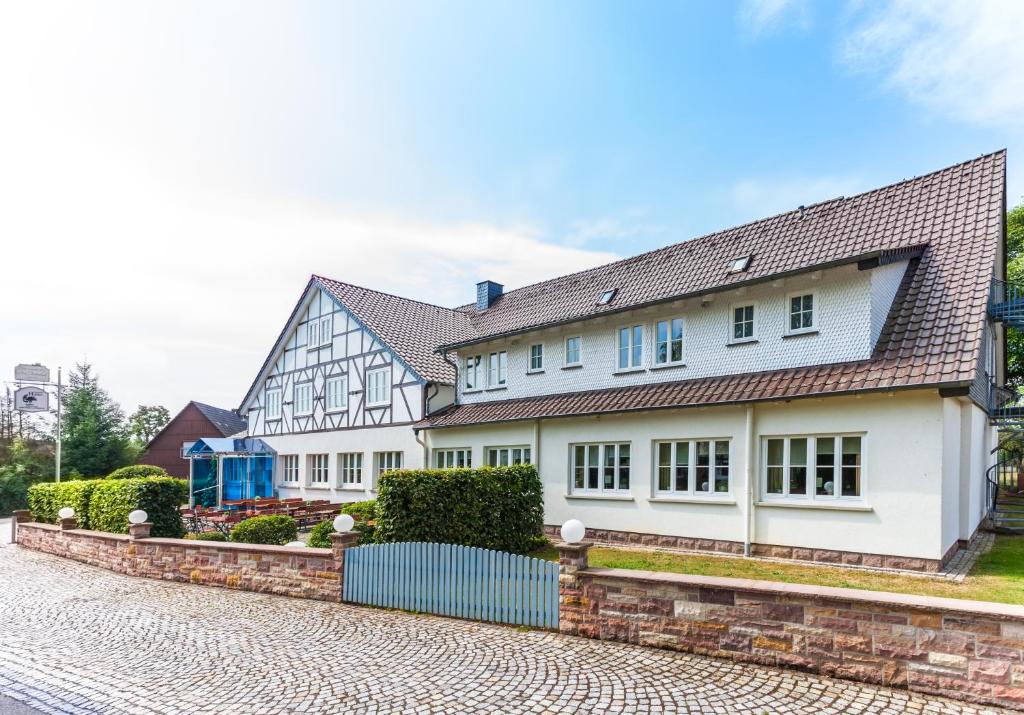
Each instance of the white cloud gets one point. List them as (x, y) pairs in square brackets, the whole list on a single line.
[(606, 228), (754, 198), (964, 58), (764, 16)]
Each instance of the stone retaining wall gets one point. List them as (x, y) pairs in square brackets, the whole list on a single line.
[(301, 572), (967, 650)]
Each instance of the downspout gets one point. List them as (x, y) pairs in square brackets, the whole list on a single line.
[(444, 356), (536, 445), (748, 532), (422, 443)]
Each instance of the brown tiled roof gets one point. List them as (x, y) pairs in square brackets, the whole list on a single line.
[(932, 336), (411, 328)]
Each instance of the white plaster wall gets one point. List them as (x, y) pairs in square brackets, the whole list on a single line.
[(366, 441), (951, 471), (975, 459), (902, 472), (844, 306)]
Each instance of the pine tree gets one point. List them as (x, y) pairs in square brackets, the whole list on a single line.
[(95, 439)]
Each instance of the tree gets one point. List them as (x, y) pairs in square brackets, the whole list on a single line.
[(146, 421), (22, 464), (95, 439), (1015, 275)]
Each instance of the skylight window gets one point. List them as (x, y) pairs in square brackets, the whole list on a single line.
[(738, 265), (606, 297)]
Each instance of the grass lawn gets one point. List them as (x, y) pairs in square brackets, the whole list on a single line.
[(998, 575)]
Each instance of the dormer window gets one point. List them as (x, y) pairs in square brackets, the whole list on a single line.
[(606, 297), (738, 265)]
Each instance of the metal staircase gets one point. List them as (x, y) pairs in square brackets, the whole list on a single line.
[(1006, 304), (1005, 481)]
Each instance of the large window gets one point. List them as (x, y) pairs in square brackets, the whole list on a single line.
[(317, 464), (600, 467), (303, 398), (290, 468), (668, 336), (386, 461), (742, 323), (378, 387), (497, 369), (695, 467), (505, 456), (573, 355), (453, 458), (631, 347), (537, 357), (473, 379), (274, 404), (318, 332), (350, 469), (813, 467), (337, 393), (801, 313)]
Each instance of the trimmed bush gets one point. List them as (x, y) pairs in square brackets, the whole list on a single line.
[(47, 498), (210, 536), (138, 471), (320, 536), (276, 529), (364, 512), (498, 508), (113, 499)]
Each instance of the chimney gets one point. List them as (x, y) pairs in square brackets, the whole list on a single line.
[(486, 293)]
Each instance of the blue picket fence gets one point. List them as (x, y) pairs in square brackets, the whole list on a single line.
[(452, 580)]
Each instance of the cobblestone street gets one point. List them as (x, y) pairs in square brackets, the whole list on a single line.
[(77, 639)]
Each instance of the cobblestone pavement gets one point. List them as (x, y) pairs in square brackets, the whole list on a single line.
[(76, 639)]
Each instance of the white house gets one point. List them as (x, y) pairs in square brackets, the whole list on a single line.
[(814, 385)]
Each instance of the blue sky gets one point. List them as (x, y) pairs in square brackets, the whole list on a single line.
[(189, 164)]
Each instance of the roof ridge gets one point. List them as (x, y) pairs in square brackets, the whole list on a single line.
[(316, 277)]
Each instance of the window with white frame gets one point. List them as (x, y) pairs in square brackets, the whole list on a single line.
[(692, 467), (742, 323), (317, 469), (350, 469), (537, 357), (631, 347), (573, 355), (378, 387), (497, 369), (474, 365), (453, 458), (801, 313), (668, 338), (303, 398), (337, 393), (506, 456), (818, 467), (326, 330), (318, 332), (289, 469), (386, 461), (600, 467), (273, 404)]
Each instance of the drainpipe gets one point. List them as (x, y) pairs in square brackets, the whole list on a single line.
[(748, 531), (536, 445), (422, 443), (455, 396)]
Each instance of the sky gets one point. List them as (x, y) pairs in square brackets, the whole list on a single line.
[(172, 173)]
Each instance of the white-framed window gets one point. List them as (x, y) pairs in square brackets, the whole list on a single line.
[(303, 398), (273, 404), (316, 465), (378, 387), (506, 456), (801, 313), (668, 341), (692, 467), (289, 469), (743, 326), (386, 462), (813, 467), (536, 357), (497, 369), (337, 393), (350, 469), (473, 378), (573, 351), (453, 458), (630, 347), (600, 467), (319, 332)]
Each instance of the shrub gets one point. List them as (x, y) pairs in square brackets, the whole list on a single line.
[(48, 498), (498, 508), (276, 529), (364, 512), (138, 471), (320, 536), (210, 536), (113, 499)]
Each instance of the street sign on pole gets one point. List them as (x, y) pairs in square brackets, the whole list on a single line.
[(31, 399), (31, 373)]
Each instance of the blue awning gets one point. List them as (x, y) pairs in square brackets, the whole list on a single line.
[(209, 446)]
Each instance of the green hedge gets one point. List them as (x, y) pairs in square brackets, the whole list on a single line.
[(498, 508), (47, 498), (276, 529), (320, 536), (113, 499), (138, 471), (364, 512), (208, 536)]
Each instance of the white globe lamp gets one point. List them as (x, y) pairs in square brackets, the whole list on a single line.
[(343, 523), (138, 517), (573, 531), (66, 513)]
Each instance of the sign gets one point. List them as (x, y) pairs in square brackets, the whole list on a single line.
[(32, 373), (31, 399)]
